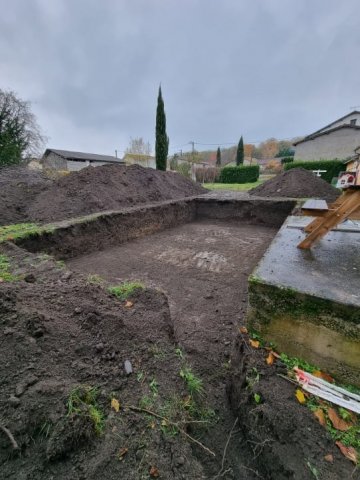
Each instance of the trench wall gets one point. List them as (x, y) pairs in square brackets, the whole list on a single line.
[(95, 232)]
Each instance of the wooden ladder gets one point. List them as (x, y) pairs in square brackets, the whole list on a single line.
[(347, 206)]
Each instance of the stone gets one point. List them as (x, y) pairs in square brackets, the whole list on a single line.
[(99, 347), (14, 401), (128, 367)]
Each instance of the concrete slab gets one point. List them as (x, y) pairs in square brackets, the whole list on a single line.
[(308, 302)]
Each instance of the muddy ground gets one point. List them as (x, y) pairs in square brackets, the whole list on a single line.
[(63, 332)]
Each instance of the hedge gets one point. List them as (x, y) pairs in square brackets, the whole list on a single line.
[(332, 167), (242, 174)]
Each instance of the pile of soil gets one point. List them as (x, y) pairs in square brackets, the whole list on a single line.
[(29, 196), (19, 186), (296, 183)]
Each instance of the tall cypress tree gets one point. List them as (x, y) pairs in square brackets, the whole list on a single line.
[(218, 157), (161, 140), (240, 152)]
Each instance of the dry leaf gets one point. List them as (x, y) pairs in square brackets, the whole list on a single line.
[(128, 304), (115, 404), (329, 458), (338, 422), (122, 452), (254, 343), (299, 394), (323, 376), (348, 452), (1, 280), (319, 414), (154, 472), (270, 358), (243, 330), (276, 355)]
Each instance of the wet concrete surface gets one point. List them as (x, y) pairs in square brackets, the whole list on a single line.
[(331, 269)]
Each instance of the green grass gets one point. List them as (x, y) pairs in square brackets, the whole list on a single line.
[(82, 401), (126, 289), (94, 279), (21, 230), (5, 274), (193, 383), (239, 187)]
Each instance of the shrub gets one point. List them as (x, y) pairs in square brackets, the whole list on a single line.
[(242, 174), (287, 160), (184, 169), (207, 175), (332, 167)]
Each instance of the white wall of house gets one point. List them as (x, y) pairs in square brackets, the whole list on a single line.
[(345, 121), (340, 144)]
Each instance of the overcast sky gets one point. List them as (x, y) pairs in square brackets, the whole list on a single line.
[(257, 68)]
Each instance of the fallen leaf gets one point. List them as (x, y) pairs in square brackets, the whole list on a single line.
[(154, 472), (338, 422), (299, 394), (319, 414), (323, 375), (276, 355), (254, 343), (115, 404), (348, 452), (152, 425), (122, 452), (270, 358), (329, 458), (128, 304), (1, 280), (243, 330)]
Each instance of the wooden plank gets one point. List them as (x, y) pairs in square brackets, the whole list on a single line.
[(349, 205)]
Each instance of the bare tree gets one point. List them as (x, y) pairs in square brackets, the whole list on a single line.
[(138, 146), (20, 135)]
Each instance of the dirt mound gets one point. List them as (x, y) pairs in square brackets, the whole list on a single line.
[(64, 341), (296, 183), (18, 188), (108, 187), (29, 196)]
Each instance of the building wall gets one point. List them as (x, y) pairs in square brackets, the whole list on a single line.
[(346, 121), (55, 162), (340, 144)]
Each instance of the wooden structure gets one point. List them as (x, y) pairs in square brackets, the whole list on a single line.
[(347, 206)]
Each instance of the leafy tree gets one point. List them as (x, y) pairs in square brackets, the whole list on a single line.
[(162, 140), (174, 162), (218, 157), (240, 152), (20, 136)]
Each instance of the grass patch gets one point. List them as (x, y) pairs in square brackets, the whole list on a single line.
[(21, 230), (193, 383), (5, 274), (82, 401), (239, 187), (126, 289)]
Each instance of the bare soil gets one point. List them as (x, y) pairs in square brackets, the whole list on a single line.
[(30, 196), (59, 331), (297, 183)]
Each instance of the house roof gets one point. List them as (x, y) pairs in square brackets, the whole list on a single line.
[(319, 133), (82, 156)]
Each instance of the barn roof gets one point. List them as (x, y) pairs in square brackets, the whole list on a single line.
[(82, 156)]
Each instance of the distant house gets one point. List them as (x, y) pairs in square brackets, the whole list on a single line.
[(139, 159), (74, 161), (337, 140)]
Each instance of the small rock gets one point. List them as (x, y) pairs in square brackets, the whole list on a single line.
[(128, 367), (209, 296), (180, 461), (30, 278), (99, 347), (19, 390), (227, 343), (14, 401), (77, 310)]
